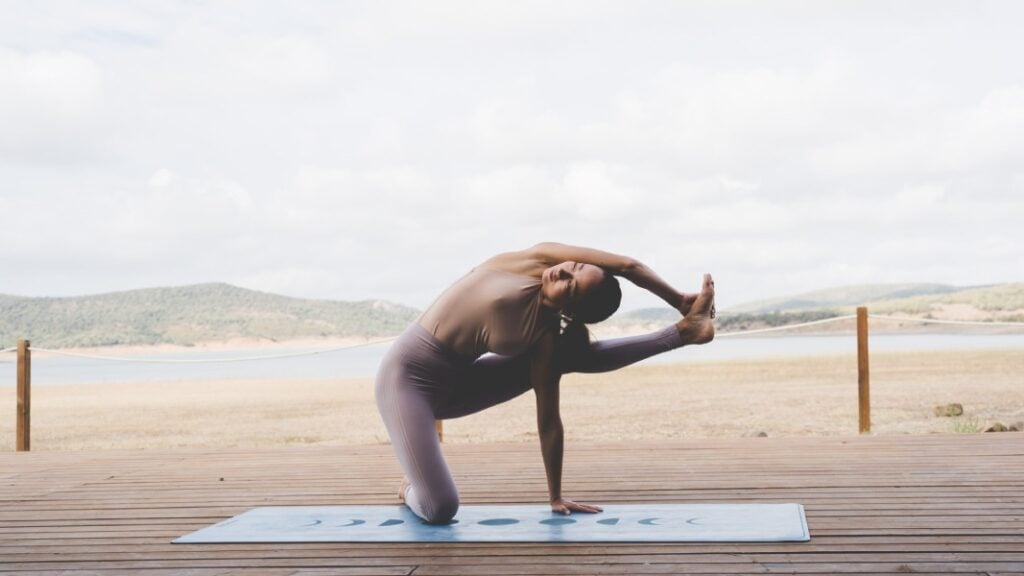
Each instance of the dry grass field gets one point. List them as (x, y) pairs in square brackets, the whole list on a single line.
[(780, 397)]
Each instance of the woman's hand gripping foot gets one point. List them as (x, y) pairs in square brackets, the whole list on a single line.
[(697, 327), (686, 301)]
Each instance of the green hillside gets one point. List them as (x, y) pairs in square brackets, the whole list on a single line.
[(188, 315), (1000, 302), (847, 296), (646, 318)]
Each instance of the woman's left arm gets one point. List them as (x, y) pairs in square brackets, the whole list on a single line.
[(549, 424), (545, 382), (552, 253)]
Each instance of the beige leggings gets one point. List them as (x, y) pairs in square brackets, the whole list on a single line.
[(420, 380)]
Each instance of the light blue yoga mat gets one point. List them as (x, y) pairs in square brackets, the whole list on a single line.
[(621, 523)]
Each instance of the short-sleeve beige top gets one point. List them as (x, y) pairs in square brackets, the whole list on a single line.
[(489, 310)]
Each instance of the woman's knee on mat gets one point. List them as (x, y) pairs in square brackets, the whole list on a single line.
[(443, 508)]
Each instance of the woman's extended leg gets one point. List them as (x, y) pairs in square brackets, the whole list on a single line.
[(494, 379), (615, 353), (491, 380)]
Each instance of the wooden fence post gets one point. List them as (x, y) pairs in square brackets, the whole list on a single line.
[(439, 426), (24, 396), (863, 373)]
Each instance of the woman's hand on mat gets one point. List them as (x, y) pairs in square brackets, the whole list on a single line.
[(566, 506)]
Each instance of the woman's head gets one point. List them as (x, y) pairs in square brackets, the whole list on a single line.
[(584, 292)]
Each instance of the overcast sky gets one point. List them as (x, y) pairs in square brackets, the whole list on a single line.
[(379, 149)]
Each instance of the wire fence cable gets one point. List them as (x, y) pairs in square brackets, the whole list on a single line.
[(211, 360), (786, 327), (937, 321)]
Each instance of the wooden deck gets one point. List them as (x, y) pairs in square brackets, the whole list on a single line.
[(888, 505)]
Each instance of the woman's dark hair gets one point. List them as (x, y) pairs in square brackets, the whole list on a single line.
[(598, 305)]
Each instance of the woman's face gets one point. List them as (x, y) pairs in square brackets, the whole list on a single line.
[(568, 282)]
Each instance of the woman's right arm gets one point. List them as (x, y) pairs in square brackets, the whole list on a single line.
[(537, 258), (552, 253)]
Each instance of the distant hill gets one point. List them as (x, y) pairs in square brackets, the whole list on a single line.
[(846, 296), (188, 315), (984, 303), (1002, 301)]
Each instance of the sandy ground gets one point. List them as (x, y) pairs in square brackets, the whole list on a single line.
[(781, 397)]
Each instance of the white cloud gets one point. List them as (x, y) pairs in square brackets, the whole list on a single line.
[(292, 63), (379, 150), (990, 135), (593, 190), (49, 101)]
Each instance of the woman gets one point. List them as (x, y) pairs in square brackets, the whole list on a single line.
[(513, 323)]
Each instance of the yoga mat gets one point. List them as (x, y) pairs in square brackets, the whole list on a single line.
[(618, 523)]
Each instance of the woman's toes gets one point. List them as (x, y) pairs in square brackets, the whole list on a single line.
[(402, 488)]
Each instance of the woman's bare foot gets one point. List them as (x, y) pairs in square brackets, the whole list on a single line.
[(403, 488), (696, 326)]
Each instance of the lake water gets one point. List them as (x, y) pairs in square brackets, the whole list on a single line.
[(362, 362)]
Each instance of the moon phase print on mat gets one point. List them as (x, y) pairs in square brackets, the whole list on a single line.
[(515, 523)]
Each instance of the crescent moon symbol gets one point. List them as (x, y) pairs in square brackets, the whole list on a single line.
[(352, 523), (649, 521)]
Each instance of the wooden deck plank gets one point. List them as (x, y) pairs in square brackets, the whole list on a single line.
[(943, 504), (555, 555)]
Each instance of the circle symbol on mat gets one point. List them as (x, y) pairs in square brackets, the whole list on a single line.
[(353, 522), (498, 521), (558, 521), (648, 521), (391, 522)]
